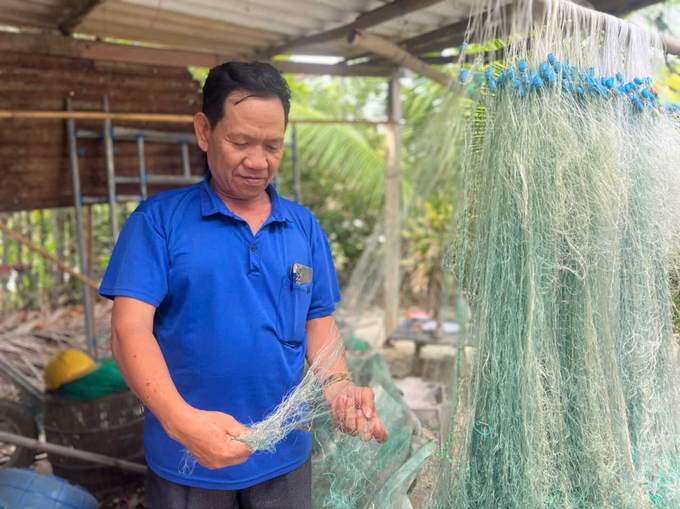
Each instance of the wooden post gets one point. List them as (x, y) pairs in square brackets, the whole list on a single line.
[(392, 205), (48, 256), (32, 270), (59, 243)]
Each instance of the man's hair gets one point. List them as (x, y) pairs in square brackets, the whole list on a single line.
[(256, 79)]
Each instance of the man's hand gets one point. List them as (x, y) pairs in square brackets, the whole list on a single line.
[(354, 411), (208, 437)]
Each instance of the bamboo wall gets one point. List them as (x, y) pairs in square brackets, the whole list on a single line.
[(34, 160)]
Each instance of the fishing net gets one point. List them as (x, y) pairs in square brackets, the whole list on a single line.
[(569, 229)]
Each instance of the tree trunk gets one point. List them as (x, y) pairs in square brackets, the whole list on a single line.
[(59, 218), (31, 292)]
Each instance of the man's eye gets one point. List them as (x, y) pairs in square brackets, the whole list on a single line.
[(238, 144), (273, 148)]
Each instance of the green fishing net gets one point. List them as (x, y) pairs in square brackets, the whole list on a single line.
[(105, 380), (570, 227)]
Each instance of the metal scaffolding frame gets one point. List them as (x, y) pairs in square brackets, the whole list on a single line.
[(108, 135)]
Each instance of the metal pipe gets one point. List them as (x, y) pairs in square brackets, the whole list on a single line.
[(297, 180), (110, 171), (82, 254), (142, 166), (186, 167), (70, 452), (131, 134), (154, 136)]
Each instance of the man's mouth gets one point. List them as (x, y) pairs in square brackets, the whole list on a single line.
[(253, 180)]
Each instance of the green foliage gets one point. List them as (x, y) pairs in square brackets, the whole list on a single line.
[(428, 235)]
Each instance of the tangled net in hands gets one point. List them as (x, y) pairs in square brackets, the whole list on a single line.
[(303, 404), (347, 473)]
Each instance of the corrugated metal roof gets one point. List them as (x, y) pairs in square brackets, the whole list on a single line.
[(231, 26), (243, 28)]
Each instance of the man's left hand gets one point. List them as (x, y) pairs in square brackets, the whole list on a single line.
[(354, 413)]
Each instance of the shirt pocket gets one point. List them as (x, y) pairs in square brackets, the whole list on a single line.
[(292, 310)]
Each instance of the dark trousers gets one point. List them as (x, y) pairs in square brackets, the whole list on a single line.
[(289, 491)]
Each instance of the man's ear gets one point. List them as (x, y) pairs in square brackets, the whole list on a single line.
[(202, 128)]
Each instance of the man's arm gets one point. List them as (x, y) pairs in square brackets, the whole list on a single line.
[(207, 435), (353, 407)]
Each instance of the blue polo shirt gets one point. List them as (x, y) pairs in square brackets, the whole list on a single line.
[(229, 322)]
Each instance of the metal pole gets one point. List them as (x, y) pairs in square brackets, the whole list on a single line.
[(297, 182), (185, 158), (142, 166), (393, 205), (77, 205), (70, 452), (110, 171)]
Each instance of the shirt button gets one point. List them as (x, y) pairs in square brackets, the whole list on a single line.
[(253, 248)]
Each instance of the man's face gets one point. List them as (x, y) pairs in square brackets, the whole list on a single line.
[(246, 147)]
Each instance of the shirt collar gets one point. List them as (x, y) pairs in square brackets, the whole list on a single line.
[(213, 204)]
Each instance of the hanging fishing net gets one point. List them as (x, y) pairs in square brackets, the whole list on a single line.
[(568, 233)]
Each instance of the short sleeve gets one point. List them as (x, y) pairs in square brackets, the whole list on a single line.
[(325, 290), (139, 263)]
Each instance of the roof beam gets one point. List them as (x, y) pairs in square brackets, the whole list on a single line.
[(395, 9), (73, 12), (55, 45), (391, 51)]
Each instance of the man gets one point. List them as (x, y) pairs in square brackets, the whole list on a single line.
[(216, 309)]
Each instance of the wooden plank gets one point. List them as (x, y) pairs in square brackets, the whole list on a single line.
[(392, 10), (393, 206), (48, 256), (44, 44), (392, 52)]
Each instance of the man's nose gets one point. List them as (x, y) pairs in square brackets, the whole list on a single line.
[(256, 159)]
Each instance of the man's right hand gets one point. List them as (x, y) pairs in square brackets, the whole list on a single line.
[(208, 437)]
